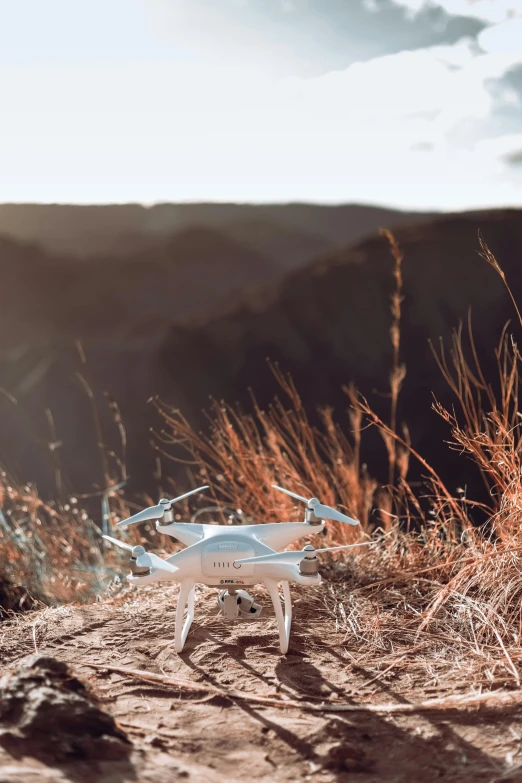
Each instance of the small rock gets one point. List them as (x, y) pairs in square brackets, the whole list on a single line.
[(45, 711)]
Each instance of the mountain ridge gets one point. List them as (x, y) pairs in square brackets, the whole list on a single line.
[(326, 321), (328, 325), (82, 231)]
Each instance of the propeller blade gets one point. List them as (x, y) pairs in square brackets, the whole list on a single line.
[(156, 512), (148, 514), (294, 557), (327, 512), (119, 543), (320, 511), (345, 546), (150, 560), (292, 494), (136, 551), (188, 494)]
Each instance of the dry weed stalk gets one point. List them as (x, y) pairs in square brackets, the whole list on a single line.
[(398, 370), (488, 256), (181, 685)]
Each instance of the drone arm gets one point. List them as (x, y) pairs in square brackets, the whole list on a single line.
[(185, 532), (156, 575), (278, 535)]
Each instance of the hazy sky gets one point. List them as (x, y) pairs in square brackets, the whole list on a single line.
[(411, 103)]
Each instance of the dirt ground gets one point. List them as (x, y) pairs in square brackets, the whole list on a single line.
[(186, 735)]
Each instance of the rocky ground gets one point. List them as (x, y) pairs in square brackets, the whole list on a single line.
[(93, 722)]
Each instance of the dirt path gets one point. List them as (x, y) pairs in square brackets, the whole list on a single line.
[(179, 734)]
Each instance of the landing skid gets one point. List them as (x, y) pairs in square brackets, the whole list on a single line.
[(186, 601)]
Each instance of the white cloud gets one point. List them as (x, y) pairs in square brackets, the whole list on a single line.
[(413, 129), (229, 31), (430, 93), (403, 129), (500, 148), (503, 38), (490, 11), (298, 37), (407, 124)]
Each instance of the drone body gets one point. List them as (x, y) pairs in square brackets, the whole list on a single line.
[(232, 558)]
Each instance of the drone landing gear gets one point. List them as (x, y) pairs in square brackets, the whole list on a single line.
[(284, 621), (185, 599)]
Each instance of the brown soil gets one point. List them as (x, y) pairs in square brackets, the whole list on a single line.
[(193, 733)]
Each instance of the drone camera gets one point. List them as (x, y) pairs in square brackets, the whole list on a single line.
[(247, 606), (237, 604)]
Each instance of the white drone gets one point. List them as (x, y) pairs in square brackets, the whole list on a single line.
[(232, 558)]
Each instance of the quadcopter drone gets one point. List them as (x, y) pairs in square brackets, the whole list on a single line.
[(232, 558)]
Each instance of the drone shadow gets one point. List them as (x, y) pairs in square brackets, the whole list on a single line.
[(301, 747), (441, 747), (398, 748), (301, 676)]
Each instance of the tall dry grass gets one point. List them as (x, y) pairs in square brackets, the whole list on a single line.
[(52, 552), (245, 454), (433, 582), (48, 553)]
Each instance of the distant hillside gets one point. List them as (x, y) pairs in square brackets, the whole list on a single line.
[(289, 234), (196, 314), (183, 278), (121, 310), (328, 324)]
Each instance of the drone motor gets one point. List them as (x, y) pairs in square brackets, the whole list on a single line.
[(138, 570), (309, 565)]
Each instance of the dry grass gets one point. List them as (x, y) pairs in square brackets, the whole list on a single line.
[(246, 454), (435, 594), (52, 552)]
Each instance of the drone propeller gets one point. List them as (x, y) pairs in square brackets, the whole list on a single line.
[(293, 557), (157, 512), (143, 559), (320, 511)]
